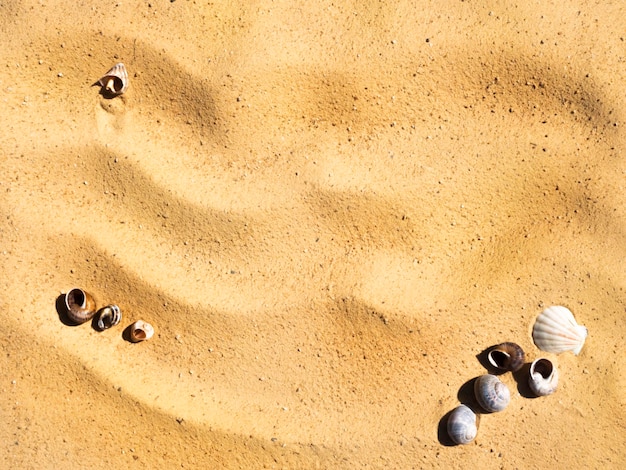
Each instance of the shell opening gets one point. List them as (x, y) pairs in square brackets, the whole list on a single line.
[(543, 367), (75, 297)]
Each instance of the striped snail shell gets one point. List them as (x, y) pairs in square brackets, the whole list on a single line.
[(461, 425), (141, 331), (491, 394), (544, 377), (507, 356), (80, 305), (108, 316), (115, 81)]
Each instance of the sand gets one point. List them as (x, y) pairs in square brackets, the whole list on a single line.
[(327, 210)]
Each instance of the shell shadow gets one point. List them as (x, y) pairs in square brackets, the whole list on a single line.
[(126, 333), (521, 377), (466, 395), (442, 431), (62, 311)]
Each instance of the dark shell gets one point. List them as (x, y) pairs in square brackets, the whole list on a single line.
[(108, 316), (507, 356), (491, 394), (80, 305)]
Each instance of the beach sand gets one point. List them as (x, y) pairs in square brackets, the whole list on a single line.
[(327, 210)]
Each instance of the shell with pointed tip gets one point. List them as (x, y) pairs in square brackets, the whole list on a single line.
[(461, 426), (80, 306), (115, 81), (492, 395), (141, 331), (544, 377), (556, 331), (506, 356), (109, 316)]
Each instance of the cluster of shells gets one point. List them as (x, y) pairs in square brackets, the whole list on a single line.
[(555, 331), (80, 307)]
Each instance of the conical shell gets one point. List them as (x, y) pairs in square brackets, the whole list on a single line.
[(115, 81), (141, 331), (461, 426), (556, 331), (109, 316), (544, 377), (80, 306), (491, 394)]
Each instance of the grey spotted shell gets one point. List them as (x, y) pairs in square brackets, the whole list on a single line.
[(461, 426), (491, 393)]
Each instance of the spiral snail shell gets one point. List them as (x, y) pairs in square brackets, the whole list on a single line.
[(461, 426), (108, 316), (140, 331), (115, 81), (491, 394), (544, 377), (80, 306), (506, 356)]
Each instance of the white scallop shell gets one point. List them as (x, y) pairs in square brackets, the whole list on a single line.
[(556, 331), (461, 426), (544, 377)]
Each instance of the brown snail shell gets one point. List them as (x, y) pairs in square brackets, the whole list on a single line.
[(80, 305), (507, 356), (115, 81), (108, 316), (141, 331), (543, 378)]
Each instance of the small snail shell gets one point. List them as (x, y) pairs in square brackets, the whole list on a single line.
[(115, 81), (461, 425), (507, 356), (80, 305), (491, 393), (141, 331), (109, 316), (544, 377)]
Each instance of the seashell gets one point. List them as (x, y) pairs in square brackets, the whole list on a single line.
[(109, 316), (491, 393), (141, 331), (544, 377), (507, 356), (115, 81), (80, 305), (461, 425), (556, 331)]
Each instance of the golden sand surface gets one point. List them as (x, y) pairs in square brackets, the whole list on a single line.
[(327, 210)]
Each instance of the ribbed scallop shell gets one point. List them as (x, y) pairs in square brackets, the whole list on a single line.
[(461, 426), (115, 81), (491, 394), (507, 356), (80, 306), (556, 331), (109, 316), (544, 377), (141, 331)]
